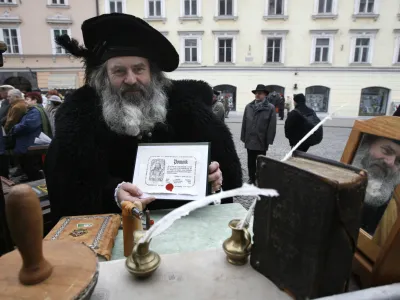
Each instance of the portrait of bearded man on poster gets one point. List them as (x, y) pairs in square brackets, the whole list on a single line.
[(380, 157), (127, 99)]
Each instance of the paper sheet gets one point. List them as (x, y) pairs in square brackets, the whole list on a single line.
[(172, 171)]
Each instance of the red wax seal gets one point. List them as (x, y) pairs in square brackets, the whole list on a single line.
[(169, 187)]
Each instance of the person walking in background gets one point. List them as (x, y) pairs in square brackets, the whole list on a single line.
[(299, 122), (16, 111), (54, 103), (218, 107), (226, 106), (281, 107), (258, 129)]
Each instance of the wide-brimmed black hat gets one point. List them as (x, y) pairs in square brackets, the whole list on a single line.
[(216, 93), (116, 34), (260, 88)]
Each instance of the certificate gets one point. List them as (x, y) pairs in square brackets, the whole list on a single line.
[(174, 171)]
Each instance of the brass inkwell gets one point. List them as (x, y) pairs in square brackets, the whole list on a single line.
[(238, 246), (143, 261)]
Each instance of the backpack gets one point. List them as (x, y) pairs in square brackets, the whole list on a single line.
[(311, 120)]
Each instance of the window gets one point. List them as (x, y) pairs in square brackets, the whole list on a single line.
[(58, 2), (155, 8), (317, 98), (325, 9), (225, 49), (190, 46), (191, 50), (362, 50), (115, 6), (274, 46), (396, 56), (274, 50), (6, 1), (190, 7), (362, 46), (55, 33), (275, 7), (225, 7), (321, 50), (225, 46), (322, 46), (325, 6), (366, 6), (12, 39), (374, 101), (190, 10)]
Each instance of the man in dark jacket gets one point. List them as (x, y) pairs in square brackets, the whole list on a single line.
[(295, 125), (258, 128), (127, 100), (218, 107)]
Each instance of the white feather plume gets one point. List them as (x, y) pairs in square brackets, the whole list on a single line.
[(246, 220), (165, 222)]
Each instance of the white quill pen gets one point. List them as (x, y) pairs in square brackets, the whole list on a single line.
[(249, 213), (164, 223)]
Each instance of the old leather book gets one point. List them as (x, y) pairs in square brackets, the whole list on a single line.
[(96, 231), (305, 239)]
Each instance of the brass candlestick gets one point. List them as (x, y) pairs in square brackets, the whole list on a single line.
[(237, 247), (143, 261)]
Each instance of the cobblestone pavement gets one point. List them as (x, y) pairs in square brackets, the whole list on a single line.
[(335, 139)]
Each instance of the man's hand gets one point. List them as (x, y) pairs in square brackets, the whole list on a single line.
[(130, 192), (215, 176)]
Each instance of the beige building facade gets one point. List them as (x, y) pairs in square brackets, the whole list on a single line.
[(336, 52), (28, 28)]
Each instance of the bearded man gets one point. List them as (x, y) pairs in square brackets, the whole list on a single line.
[(127, 100), (380, 157)]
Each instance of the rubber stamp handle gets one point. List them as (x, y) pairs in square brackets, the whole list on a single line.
[(130, 223), (25, 221)]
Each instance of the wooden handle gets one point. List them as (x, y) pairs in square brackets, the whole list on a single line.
[(25, 221), (130, 224)]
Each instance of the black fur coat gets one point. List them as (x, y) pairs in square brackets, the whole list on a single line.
[(86, 160)]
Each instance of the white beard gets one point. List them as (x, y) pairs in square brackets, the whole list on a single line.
[(130, 119), (380, 188), (134, 114)]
